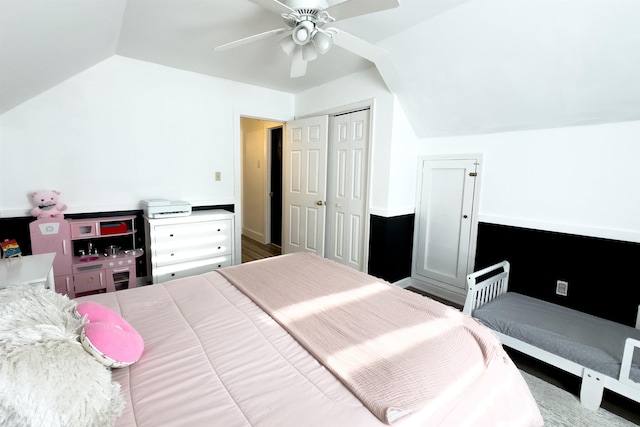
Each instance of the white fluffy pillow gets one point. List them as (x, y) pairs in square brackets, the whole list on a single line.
[(46, 376)]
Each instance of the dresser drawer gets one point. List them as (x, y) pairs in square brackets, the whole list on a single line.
[(181, 234), (177, 271), (190, 253)]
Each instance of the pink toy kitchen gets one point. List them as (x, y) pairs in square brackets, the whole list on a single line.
[(93, 255)]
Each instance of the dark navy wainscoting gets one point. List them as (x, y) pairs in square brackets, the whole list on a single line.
[(17, 228), (602, 274), (391, 246)]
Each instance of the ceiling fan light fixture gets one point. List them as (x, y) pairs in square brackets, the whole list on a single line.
[(303, 32), (322, 42), (288, 45), (301, 35), (309, 52)]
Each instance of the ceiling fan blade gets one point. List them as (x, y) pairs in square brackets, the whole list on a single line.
[(273, 5), (298, 65), (358, 46), (251, 39), (351, 8)]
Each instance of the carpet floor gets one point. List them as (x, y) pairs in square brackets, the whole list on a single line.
[(560, 408)]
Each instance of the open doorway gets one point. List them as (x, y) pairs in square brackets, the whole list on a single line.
[(275, 185), (261, 153)]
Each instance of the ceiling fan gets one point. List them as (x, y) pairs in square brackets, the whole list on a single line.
[(307, 36)]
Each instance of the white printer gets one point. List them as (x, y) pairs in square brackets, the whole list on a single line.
[(162, 208)]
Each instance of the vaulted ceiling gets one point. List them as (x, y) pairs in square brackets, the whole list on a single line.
[(457, 66)]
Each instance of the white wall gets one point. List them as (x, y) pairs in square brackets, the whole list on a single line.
[(402, 165), (489, 66), (126, 130), (580, 180)]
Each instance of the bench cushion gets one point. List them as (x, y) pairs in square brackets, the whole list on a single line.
[(580, 337)]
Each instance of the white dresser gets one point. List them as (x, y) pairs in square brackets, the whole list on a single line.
[(189, 245)]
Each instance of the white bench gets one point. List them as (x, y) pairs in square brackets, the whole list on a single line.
[(516, 319)]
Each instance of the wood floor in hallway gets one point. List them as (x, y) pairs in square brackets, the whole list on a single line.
[(253, 250)]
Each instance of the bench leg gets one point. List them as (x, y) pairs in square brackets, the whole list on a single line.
[(592, 389)]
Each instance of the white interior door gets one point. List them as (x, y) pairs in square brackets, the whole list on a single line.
[(444, 222), (347, 190), (304, 185)]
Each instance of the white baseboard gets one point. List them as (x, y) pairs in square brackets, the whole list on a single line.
[(258, 237), (403, 283)]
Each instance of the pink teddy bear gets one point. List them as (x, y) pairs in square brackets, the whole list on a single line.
[(47, 204)]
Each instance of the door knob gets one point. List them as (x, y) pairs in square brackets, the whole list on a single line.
[(320, 202)]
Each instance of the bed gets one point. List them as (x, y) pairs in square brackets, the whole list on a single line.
[(298, 340), (603, 353)]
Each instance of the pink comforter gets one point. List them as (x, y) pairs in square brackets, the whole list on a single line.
[(214, 358), (397, 351)]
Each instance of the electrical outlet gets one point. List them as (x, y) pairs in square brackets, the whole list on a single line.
[(218, 176), (562, 288)]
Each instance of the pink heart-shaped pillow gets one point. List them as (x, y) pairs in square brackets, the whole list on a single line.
[(109, 337)]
